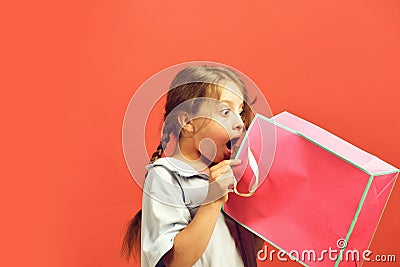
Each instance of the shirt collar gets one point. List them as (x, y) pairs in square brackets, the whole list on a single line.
[(179, 166)]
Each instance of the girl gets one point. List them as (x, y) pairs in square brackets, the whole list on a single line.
[(181, 222)]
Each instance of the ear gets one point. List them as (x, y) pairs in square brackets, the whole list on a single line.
[(185, 122)]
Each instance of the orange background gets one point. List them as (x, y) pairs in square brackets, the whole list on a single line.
[(70, 68)]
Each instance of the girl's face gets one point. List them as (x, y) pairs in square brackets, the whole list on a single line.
[(219, 124)]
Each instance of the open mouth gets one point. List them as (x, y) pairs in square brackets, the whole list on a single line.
[(232, 143)]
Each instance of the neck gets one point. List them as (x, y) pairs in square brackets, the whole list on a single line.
[(185, 152)]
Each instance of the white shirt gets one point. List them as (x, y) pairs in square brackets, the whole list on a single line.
[(166, 211)]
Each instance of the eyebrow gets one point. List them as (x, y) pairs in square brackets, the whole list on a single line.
[(230, 103)]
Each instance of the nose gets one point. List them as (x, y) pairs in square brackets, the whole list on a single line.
[(237, 123)]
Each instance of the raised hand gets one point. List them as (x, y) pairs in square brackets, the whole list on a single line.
[(221, 181)]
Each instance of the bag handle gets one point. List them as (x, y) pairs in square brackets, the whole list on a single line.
[(254, 168)]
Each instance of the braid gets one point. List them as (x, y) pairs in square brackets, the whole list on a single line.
[(163, 143)]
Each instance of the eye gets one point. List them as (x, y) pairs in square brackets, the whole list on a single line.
[(225, 111)]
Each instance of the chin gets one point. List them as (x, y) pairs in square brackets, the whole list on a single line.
[(221, 158)]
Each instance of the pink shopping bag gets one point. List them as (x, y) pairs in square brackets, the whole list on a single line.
[(307, 192)]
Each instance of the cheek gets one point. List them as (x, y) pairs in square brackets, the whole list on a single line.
[(214, 131), (217, 132)]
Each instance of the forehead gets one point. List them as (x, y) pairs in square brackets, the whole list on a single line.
[(231, 92)]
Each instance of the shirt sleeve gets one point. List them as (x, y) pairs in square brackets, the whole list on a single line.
[(164, 214)]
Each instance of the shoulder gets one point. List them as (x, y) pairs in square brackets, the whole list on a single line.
[(175, 165), (161, 171), (163, 184), (169, 178)]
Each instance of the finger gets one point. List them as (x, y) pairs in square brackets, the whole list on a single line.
[(219, 165), (222, 171), (234, 162), (225, 170), (225, 180), (231, 162), (215, 173), (226, 175)]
